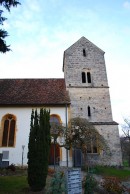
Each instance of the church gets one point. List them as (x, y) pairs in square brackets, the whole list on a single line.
[(83, 92)]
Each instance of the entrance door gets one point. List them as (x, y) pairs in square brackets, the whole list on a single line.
[(54, 152), (77, 158)]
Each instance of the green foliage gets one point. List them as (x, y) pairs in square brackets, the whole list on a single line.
[(38, 149), (57, 185), (113, 185), (125, 163), (89, 184), (3, 34)]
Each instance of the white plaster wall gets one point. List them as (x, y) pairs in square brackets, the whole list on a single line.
[(23, 115)]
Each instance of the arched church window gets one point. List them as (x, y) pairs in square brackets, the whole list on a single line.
[(9, 123), (54, 119), (89, 77), (83, 77)]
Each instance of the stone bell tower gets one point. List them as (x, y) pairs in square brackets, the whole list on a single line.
[(86, 80)]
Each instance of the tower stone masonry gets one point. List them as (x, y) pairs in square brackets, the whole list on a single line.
[(86, 81)]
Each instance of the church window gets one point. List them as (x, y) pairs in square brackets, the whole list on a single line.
[(89, 111), (9, 123), (83, 77), (88, 77), (92, 148), (54, 119), (84, 52)]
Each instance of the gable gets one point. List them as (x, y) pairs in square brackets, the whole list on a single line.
[(85, 43)]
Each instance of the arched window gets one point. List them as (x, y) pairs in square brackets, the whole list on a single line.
[(89, 77), (54, 119), (92, 147), (9, 123), (89, 111), (83, 77)]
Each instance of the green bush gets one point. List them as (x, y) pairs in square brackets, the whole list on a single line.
[(89, 184), (57, 185), (11, 167)]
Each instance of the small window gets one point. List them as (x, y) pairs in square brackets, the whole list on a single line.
[(84, 52), (89, 111), (88, 77), (5, 155), (83, 77)]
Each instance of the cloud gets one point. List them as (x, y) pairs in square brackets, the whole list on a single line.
[(126, 5)]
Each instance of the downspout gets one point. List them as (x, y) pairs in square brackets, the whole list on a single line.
[(66, 133)]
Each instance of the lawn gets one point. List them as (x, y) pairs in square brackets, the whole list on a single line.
[(16, 183), (112, 171), (12, 184)]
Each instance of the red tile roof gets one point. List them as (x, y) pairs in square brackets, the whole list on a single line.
[(33, 92)]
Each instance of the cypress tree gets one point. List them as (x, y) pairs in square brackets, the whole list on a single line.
[(39, 147)]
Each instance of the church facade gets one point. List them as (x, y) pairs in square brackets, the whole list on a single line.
[(84, 92)]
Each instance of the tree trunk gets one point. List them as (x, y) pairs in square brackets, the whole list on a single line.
[(129, 160)]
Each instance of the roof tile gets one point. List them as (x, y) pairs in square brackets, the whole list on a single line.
[(33, 92)]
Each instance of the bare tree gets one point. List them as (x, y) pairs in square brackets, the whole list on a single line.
[(125, 139), (83, 135)]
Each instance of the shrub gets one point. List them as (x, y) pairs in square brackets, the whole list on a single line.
[(57, 185), (11, 167), (51, 171), (89, 184), (113, 185)]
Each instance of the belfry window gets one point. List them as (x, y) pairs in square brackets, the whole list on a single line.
[(89, 77), (8, 138), (84, 52), (83, 77), (89, 111)]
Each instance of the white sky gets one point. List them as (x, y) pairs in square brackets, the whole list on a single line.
[(40, 31)]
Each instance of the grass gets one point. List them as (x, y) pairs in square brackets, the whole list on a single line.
[(12, 184), (112, 171), (15, 182)]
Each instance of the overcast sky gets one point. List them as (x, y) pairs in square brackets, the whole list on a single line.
[(40, 31)]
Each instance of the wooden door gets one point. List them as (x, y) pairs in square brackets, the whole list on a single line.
[(54, 150)]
